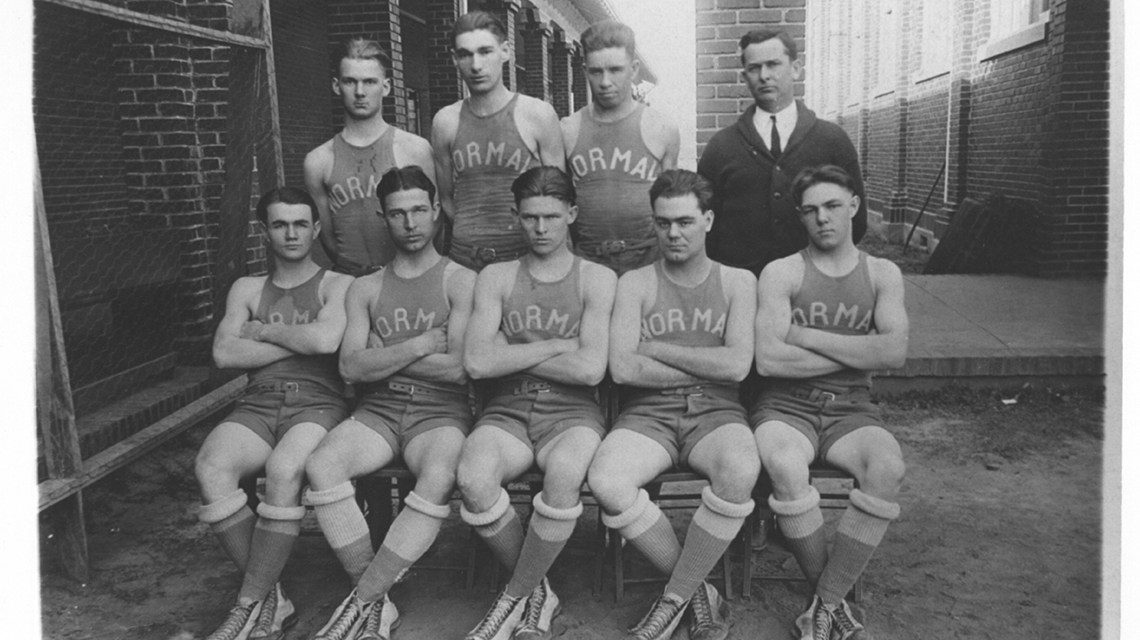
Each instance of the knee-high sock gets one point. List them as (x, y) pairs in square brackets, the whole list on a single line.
[(344, 527), (273, 537), (714, 525), (232, 521), (649, 531), (500, 528), (412, 532), (801, 521), (549, 530), (860, 531)]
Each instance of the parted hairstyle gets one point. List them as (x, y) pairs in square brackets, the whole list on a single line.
[(476, 20), (285, 195), (756, 36), (364, 49), (544, 181), (828, 173), (404, 179), (609, 34), (677, 183)]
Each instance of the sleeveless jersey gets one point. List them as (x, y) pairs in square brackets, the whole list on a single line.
[(359, 233), (687, 316), (843, 305), (537, 310), (298, 305), (487, 155), (407, 307), (613, 170)]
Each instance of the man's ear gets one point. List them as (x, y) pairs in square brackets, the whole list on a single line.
[(387, 84), (336, 86), (573, 214), (316, 227), (709, 218), (798, 69), (855, 205)]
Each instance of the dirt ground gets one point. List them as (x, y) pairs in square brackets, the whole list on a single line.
[(999, 538)]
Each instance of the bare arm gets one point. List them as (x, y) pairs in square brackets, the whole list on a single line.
[(774, 356), (443, 131), (231, 350), (570, 125), (884, 349), (321, 336), (728, 363), (543, 124), (363, 355), (318, 165), (448, 365), (483, 357), (587, 364), (662, 137), (414, 150), (627, 366)]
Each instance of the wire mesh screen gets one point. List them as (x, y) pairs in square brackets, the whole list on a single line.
[(131, 135)]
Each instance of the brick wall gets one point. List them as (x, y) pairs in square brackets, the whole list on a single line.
[(304, 77), (721, 94)]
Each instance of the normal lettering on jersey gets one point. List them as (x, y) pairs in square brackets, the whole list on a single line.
[(474, 155), (285, 313), (404, 321), (351, 189), (595, 160), (819, 316), (536, 318), (683, 321)]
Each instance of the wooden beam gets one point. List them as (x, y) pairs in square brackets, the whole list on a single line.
[(55, 408), (270, 158), (134, 447), (163, 24)]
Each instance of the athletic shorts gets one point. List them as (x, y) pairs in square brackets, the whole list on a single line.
[(536, 411), (678, 419), (619, 255), (270, 409), (822, 416), (401, 411)]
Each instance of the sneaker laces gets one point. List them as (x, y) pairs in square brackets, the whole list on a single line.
[(348, 616), (372, 620), (235, 621), (494, 619), (267, 614), (701, 608), (662, 613), (821, 622), (845, 623), (534, 604)]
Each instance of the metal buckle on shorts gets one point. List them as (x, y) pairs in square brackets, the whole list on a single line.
[(486, 255), (400, 387), (695, 390), (532, 386), (611, 247), (278, 386), (815, 395)]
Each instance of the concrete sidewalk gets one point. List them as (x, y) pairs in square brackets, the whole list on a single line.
[(995, 328)]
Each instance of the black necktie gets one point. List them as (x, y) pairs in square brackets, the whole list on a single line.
[(777, 149)]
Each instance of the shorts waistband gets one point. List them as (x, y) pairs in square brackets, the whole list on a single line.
[(815, 394), (410, 389), (608, 248), (722, 391), (484, 256), (281, 386), (528, 386)]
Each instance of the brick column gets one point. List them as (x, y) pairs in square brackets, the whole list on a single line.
[(536, 56), (508, 12), (578, 87), (380, 20), (1076, 209), (560, 73), (445, 85), (898, 200), (721, 94), (955, 184)]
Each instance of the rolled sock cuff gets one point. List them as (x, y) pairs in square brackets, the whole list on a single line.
[(795, 507), (725, 508), (547, 511), (340, 492), (875, 506), (485, 518), (272, 512), (224, 508), (630, 515), (438, 511)]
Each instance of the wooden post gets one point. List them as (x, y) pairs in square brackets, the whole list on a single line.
[(55, 410)]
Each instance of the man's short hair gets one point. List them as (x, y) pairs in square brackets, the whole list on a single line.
[(824, 174), (756, 36), (476, 21), (404, 178), (677, 183), (609, 34), (544, 181), (361, 48), (285, 195)]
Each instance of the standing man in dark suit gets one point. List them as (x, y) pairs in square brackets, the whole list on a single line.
[(751, 163)]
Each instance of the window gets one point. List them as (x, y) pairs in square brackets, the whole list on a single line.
[(937, 43), (1015, 24)]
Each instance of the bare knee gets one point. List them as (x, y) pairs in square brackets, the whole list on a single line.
[(612, 489), (734, 476), (216, 476), (323, 470), (883, 476), (788, 470), (435, 482), (283, 478), (478, 482)]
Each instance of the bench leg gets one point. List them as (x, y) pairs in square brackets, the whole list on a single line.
[(69, 526), (599, 554), (619, 566), (472, 556), (746, 586)]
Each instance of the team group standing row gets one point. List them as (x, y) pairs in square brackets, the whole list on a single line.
[(576, 249)]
